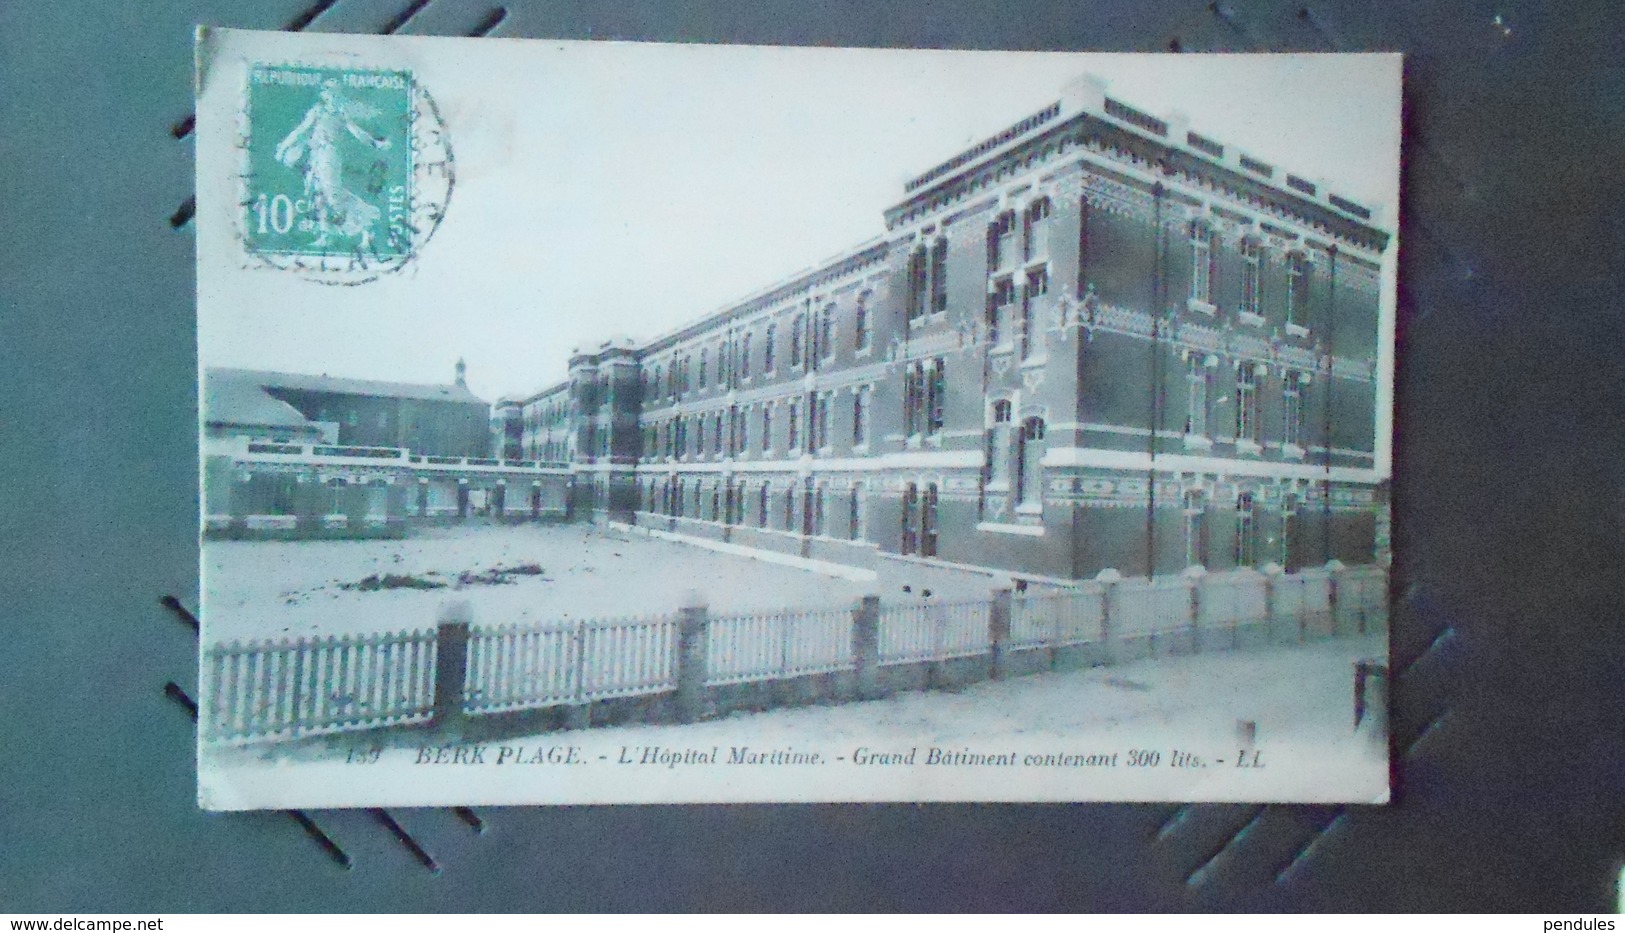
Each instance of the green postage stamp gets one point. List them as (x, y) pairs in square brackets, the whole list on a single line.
[(346, 173)]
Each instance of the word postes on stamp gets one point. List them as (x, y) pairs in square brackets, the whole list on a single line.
[(347, 171)]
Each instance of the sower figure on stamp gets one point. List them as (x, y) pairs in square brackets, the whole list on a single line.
[(316, 139)]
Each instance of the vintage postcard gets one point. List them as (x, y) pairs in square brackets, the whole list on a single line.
[(618, 422)]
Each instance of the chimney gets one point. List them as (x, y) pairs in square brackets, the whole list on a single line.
[(1086, 92)]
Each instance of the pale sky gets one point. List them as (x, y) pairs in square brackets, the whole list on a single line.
[(626, 188)]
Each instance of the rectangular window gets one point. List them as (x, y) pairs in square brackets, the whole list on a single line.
[(767, 428), (1037, 286), (1292, 410), (911, 402), (768, 344), (793, 444), (1201, 262), (796, 327), (1083, 246), (826, 332), (1289, 533), (762, 509), (1195, 530), (860, 416), (860, 324), (816, 421), (1297, 290), (998, 310), (819, 516), (911, 504), (703, 355), (1247, 403), (744, 356), (917, 273), (1251, 260), (939, 275), (936, 395), (1037, 224), (999, 241), (928, 522), (824, 407), (1245, 530), (1196, 382), (854, 518)]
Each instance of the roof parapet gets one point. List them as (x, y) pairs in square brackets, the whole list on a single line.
[(1086, 94)]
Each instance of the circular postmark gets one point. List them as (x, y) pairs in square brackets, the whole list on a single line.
[(346, 171)]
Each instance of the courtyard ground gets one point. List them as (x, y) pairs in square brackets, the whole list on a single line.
[(298, 589)]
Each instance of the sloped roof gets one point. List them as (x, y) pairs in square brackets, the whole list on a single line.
[(233, 396), (239, 396)]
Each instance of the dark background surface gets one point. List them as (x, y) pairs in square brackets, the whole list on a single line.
[(1509, 725)]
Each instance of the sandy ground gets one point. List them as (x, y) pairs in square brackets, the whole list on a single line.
[(283, 589), (1300, 699)]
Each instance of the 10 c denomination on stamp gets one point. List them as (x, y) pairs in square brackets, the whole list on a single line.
[(347, 171)]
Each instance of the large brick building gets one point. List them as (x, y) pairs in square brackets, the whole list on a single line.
[(1097, 340)]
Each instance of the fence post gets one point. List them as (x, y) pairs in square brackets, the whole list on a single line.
[(998, 631), (1334, 570), (866, 646), (1108, 586), (692, 625), (451, 662), (1194, 604)]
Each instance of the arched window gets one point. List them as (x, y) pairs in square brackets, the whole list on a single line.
[(763, 496), (1252, 259), (860, 323), (744, 356), (911, 503), (1297, 290), (939, 275), (1246, 531), (1292, 409), (1029, 469), (1246, 403), (1289, 534), (1196, 386), (1195, 529), (928, 521), (999, 444), (1202, 263)]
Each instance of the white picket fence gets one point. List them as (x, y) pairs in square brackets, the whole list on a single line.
[(512, 667), (285, 689), (934, 631), (1149, 609), (270, 690), (1057, 619), (774, 645)]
